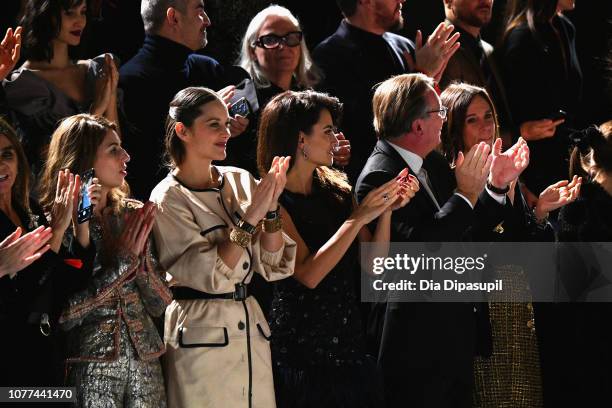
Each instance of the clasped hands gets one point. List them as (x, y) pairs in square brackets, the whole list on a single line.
[(483, 163), (269, 188)]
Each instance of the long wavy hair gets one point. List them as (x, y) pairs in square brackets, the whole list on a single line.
[(282, 120), (74, 146)]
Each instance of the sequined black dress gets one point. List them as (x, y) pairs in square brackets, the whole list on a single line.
[(318, 347)]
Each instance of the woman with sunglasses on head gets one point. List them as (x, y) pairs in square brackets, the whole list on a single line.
[(217, 227), (318, 345), (50, 85), (508, 372), (114, 347), (275, 55)]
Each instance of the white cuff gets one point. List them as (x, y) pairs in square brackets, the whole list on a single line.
[(500, 198)]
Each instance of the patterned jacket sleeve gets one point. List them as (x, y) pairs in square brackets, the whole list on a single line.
[(151, 282)]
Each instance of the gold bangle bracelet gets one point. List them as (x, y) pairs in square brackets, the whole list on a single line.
[(273, 225), (240, 237)]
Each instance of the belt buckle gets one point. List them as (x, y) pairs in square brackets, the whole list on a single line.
[(240, 292)]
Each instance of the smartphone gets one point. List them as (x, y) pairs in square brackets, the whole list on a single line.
[(85, 209), (561, 114), (240, 107)]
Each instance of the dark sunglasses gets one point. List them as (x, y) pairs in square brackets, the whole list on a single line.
[(271, 41)]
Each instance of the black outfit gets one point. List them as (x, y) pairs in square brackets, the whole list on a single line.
[(242, 149), (353, 61), (4, 107), (584, 356), (511, 375), (150, 80), (519, 225), (419, 367), (318, 348), (542, 76), (32, 297)]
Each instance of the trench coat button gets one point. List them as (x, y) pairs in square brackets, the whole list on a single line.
[(245, 265), (240, 325)]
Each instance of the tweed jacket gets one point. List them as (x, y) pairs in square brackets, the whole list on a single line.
[(124, 290)]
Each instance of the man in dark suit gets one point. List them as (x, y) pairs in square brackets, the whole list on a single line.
[(166, 63), (362, 53), (426, 351)]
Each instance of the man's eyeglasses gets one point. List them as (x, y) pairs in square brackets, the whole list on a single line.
[(271, 41), (441, 112)]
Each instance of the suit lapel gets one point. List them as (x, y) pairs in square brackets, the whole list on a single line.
[(400, 163)]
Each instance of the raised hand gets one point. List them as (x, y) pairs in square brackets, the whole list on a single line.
[(238, 124), (263, 195), (18, 252), (95, 191), (104, 90), (472, 170), (280, 164), (66, 194), (409, 185), (432, 58), (507, 166), (556, 196), (227, 94), (136, 229), (10, 49), (381, 199), (539, 129), (109, 61), (342, 151)]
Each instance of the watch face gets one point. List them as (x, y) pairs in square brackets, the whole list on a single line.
[(245, 226)]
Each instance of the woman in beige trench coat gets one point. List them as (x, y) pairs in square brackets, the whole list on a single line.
[(211, 241)]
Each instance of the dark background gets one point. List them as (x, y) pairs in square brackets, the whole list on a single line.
[(117, 28)]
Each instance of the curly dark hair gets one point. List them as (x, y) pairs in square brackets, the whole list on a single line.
[(41, 23)]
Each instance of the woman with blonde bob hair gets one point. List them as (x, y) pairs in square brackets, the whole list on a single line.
[(114, 345)]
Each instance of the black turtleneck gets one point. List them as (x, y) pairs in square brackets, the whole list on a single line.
[(149, 81)]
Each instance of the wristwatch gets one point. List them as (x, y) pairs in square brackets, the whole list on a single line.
[(498, 190)]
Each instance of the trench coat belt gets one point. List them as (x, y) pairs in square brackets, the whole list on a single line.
[(185, 293)]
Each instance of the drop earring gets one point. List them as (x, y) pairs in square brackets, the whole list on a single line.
[(304, 152)]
